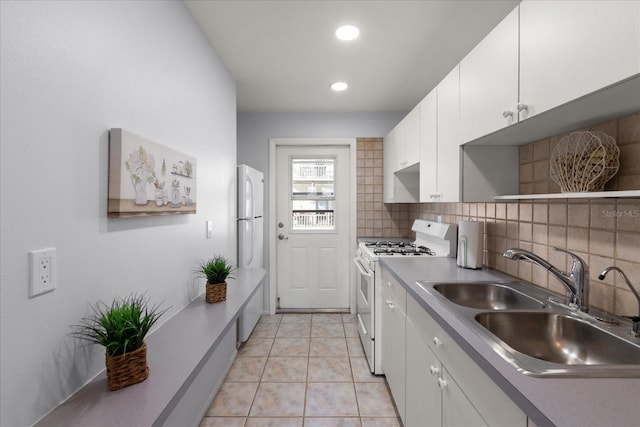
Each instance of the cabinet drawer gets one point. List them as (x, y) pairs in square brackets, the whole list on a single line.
[(492, 403), (393, 290)]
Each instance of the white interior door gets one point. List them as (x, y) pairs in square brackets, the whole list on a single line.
[(313, 195)]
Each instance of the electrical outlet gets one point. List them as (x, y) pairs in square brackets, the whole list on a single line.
[(42, 271)]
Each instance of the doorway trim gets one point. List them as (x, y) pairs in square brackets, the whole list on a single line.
[(273, 145)]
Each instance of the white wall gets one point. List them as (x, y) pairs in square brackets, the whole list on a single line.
[(69, 72), (255, 130)]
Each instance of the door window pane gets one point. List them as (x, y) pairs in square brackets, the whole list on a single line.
[(312, 193)]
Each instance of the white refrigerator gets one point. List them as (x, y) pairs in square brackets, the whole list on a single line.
[(250, 221), (250, 237)]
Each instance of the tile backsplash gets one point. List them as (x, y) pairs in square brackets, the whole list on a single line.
[(603, 232), (375, 218), (534, 158)]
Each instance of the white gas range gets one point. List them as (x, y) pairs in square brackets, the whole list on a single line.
[(433, 239)]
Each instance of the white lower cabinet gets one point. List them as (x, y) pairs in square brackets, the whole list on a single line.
[(423, 396), (444, 386), (393, 335), (433, 398), (457, 409)]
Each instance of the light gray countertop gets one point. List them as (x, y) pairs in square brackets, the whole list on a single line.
[(580, 402), (176, 352)]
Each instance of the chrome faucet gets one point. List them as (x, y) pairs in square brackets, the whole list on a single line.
[(576, 282), (635, 325)]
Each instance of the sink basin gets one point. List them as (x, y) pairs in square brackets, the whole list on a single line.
[(559, 338), (487, 296)]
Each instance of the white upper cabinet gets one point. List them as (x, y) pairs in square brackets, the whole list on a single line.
[(546, 54), (489, 82), (388, 167), (409, 143), (429, 147), (448, 170), (569, 49), (401, 156), (407, 140)]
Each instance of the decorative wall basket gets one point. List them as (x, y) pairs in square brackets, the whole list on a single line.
[(127, 369), (217, 292), (584, 161)]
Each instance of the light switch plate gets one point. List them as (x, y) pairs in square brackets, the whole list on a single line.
[(209, 229), (42, 271)]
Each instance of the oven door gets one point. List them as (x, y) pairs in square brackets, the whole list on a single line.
[(365, 310)]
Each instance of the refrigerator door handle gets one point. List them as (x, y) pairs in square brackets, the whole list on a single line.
[(251, 241), (251, 197)]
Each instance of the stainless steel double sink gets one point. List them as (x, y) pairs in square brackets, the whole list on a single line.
[(538, 336)]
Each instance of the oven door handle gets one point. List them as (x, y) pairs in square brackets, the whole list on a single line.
[(363, 270), (363, 328)]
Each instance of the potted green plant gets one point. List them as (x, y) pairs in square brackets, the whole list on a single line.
[(216, 270), (121, 328)]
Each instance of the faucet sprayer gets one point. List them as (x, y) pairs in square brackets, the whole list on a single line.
[(635, 325)]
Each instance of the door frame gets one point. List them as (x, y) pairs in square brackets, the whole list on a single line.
[(274, 143)]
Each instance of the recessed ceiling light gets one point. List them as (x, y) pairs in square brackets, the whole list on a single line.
[(347, 32), (339, 86)]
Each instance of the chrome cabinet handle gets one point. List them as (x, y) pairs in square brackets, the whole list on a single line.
[(434, 370), (442, 383), (507, 113), (522, 107), (282, 237), (437, 341)]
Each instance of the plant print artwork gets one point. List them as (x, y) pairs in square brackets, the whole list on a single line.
[(139, 171)]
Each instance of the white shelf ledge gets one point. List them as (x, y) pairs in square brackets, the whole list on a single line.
[(586, 195)]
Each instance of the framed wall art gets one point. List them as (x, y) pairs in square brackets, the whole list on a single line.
[(147, 178)]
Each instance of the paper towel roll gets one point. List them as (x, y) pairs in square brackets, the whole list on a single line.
[(470, 244)]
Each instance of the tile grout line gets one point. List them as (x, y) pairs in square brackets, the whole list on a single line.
[(352, 377)]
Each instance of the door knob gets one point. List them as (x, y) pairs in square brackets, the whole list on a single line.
[(282, 237)]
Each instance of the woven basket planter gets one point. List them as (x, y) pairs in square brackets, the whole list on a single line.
[(217, 292), (127, 369)]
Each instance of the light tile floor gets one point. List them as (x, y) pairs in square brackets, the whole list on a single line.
[(302, 370)]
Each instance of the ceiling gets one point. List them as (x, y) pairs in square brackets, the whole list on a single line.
[(284, 55)]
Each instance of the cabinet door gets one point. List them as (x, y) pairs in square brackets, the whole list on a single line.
[(572, 48), (489, 82), (423, 396), (411, 140), (387, 331), (397, 342), (393, 348), (429, 147), (388, 161), (448, 170), (457, 410)]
